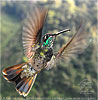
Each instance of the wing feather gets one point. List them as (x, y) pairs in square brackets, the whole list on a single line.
[(76, 45), (32, 29)]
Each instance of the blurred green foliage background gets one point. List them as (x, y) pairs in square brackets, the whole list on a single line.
[(64, 79)]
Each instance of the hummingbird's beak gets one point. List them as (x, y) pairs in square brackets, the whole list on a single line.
[(67, 30)]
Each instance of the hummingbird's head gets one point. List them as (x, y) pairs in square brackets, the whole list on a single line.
[(49, 38)]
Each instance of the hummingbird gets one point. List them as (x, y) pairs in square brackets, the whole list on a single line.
[(39, 50)]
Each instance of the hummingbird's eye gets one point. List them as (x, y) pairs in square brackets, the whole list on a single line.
[(45, 38)]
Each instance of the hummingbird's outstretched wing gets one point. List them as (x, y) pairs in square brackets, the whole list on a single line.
[(76, 45), (32, 29)]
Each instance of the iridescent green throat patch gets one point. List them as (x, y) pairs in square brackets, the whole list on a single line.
[(48, 42)]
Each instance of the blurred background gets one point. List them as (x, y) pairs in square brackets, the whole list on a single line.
[(65, 79)]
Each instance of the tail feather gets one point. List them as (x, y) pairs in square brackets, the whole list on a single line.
[(25, 85), (10, 73), (12, 69), (22, 85)]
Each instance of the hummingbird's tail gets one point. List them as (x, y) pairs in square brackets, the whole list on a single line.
[(22, 85)]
